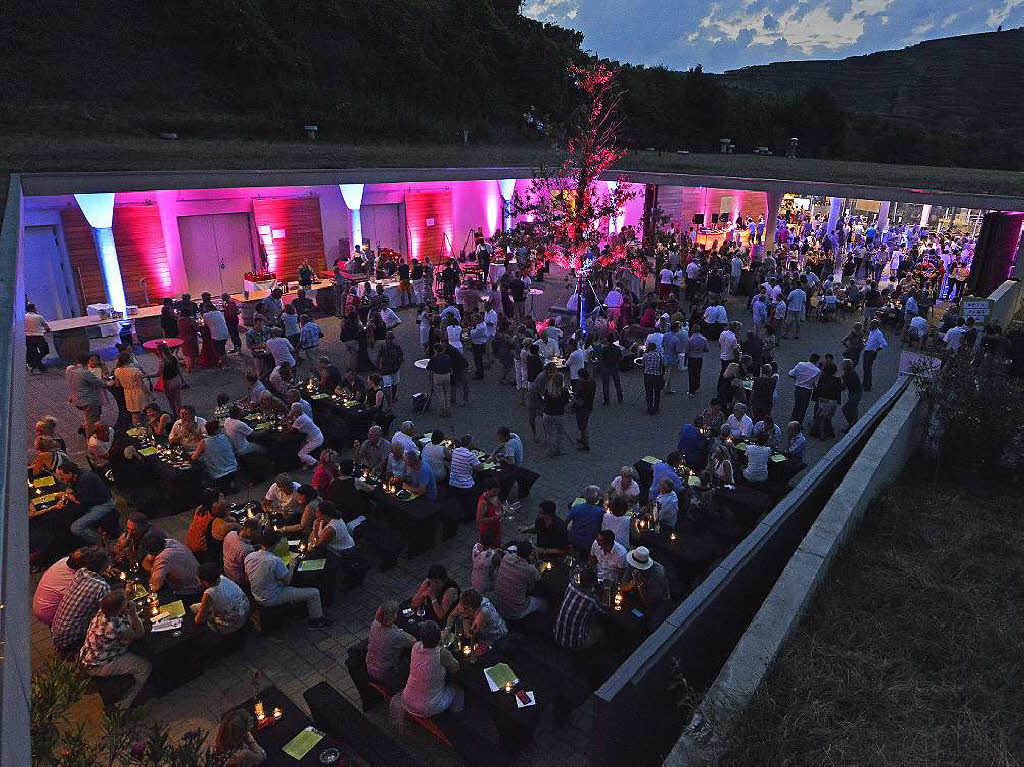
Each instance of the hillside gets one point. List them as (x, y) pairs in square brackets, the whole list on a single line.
[(431, 71), (955, 83)]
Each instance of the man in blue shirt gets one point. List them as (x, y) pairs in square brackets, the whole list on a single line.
[(420, 478), (694, 445), (666, 470), (584, 520), (511, 447)]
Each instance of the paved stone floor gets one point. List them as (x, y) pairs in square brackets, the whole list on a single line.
[(297, 658)]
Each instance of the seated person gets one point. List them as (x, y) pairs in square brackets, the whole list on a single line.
[(649, 581), (796, 442), (510, 449), (770, 429), (666, 469), (158, 423), (438, 594), (171, 565), (608, 556), (476, 619), (79, 603), (224, 607), (352, 385), (386, 648), (330, 533), (270, 580), (739, 423), (719, 471), (105, 651), (485, 563), (372, 453), (584, 520), (693, 444), (238, 544), (624, 486), (616, 519), (396, 466), (48, 455), (218, 456), (758, 455), (308, 499), (551, 531), (128, 550), (514, 581), (52, 585), (281, 497), (189, 430), (426, 692), (575, 628), (667, 503), (92, 496), (419, 478), (98, 447), (234, 742)]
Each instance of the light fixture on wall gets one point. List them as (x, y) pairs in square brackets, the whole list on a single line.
[(265, 229), (278, 234)]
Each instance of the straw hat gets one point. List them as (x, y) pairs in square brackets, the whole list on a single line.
[(640, 558)]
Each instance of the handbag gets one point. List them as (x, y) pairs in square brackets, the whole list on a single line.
[(159, 385)]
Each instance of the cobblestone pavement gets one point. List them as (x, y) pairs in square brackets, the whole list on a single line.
[(298, 657)]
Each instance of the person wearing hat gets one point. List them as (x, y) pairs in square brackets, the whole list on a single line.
[(650, 582)]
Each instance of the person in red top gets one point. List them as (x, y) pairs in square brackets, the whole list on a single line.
[(326, 471), (232, 312), (488, 516)]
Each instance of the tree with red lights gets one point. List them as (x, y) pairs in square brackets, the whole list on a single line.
[(564, 206)]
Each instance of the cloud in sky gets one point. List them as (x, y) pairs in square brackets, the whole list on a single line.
[(726, 34)]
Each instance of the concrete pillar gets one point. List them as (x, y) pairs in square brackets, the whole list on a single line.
[(926, 212), (98, 209), (506, 188), (834, 209), (353, 194), (774, 201), (883, 218)]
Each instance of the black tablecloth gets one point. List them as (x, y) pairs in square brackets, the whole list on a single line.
[(416, 519), (179, 487), (276, 736)]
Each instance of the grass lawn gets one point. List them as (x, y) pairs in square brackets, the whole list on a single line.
[(911, 653)]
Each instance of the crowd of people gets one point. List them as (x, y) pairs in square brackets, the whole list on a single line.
[(731, 300)]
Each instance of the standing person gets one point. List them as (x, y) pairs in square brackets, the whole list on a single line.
[(795, 304), (168, 319), (488, 515), (439, 366), (85, 393), (232, 314), (729, 344), (584, 391), (696, 348), (804, 375), (854, 389), (133, 382), (853, 343), (36, 347), (389, 362), (827, 396), (654, 377), (478, 338), (216, 322), (609, 356), (673, 350), (875, 343), (555, 400), (188, 332)]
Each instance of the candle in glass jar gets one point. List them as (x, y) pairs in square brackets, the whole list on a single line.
[(467, 649), (278, 713), (508, 687), (258, 708)]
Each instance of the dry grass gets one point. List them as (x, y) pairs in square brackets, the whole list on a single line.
[(912, 652)]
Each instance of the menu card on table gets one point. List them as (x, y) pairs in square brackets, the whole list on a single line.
[(499, 675), (149, 450), (309, 565), (43, 481), (303, 743), (651, 460)]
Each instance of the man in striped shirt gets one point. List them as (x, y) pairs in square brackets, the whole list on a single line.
[(574, 626), (654, 377)]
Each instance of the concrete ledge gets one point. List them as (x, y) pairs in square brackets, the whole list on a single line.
[(882, 458), (1006, 300)]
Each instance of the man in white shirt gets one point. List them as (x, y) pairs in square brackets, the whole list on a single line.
[(739, 423), (729, 344), (280, 348), (189, 429), (665, 283), (609, 556), (36, 348), (875, 343), (716, 315), (804, 375), (238, 432), (405, 438), (735, 272), (918, 330), (953, 338), (546, 346), (795, 303), (304, 425), (576, 360)]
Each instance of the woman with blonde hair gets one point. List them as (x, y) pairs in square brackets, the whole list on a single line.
[(234, 742), (387, 647)]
